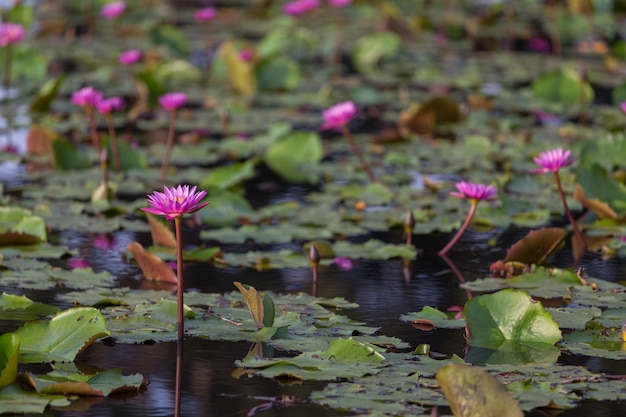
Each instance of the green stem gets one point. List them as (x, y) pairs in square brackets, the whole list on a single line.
[(180, 303), (170, 146), (464, 227), (357, 152)]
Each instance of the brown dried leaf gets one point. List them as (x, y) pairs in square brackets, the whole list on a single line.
[(152, 266), (255, 303), (161, 235), (536, 246), (600, 208)]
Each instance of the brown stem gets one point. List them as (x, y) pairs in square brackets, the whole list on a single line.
[(105, 172), (7, 70), (357, 152), (95, 140), (170, 146), (113, 140), (572, 221), (179, 273), (464, 227), (179, 377)]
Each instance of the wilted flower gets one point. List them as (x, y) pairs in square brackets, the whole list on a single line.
[(113, 10), (339, 3), (172, 101), (338, 115), (205, 14), (298, 7), (130, 57), (175, 201), (11, 33), (473, 191), (553, 161), (109, 105), (87, 96)]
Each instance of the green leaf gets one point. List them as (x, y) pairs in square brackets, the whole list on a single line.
[(371, 49), (46, 94), (294, 155), (26, 63), (226, 209), (9, 355), (509, 315), (563, 85), (277, 73), (177, 73), (171, 38), (228, 176), (473, 392), (68, 157), (63, 337), (129, 158), (598, 184), (19, 227), (352, 351)]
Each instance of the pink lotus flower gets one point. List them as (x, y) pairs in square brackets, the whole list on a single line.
[(343, 263), (175, 201), (172, 101), (245, 55), (87, 96), (113, 10), (298, 7), (78, 263), (623, 106), (11, 33), (553, 161), (109, 105), (339, 3), (130, 57), (204, 15), (338, 115), (473, 191)]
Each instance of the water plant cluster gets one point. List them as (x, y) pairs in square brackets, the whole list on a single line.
[(391, 120)]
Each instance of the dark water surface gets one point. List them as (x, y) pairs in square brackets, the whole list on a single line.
[(383, 290)]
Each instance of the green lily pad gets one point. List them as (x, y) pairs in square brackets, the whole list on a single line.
[(295, 155), (19, 227), (9, 354), (61, 338)]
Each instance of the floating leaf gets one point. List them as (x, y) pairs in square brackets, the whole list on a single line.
[(19, 227), (473, 392), (426, 117), (600, 208), (61, 338), (563, 85), (227, 176), (9, 355), (172, 38), (509, 315), (294, 155), (152, 266), (371, 49)]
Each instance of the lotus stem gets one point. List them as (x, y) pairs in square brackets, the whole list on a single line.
[(113, 141), (95, 140), (572, 221), (7, 70), (170, 146), (464, 227), (180, 303), (357, 152), (179, 377)]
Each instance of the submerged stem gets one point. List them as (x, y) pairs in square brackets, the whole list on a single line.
[(170, 146), (179, 274), (357, 152), (464, 227)]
